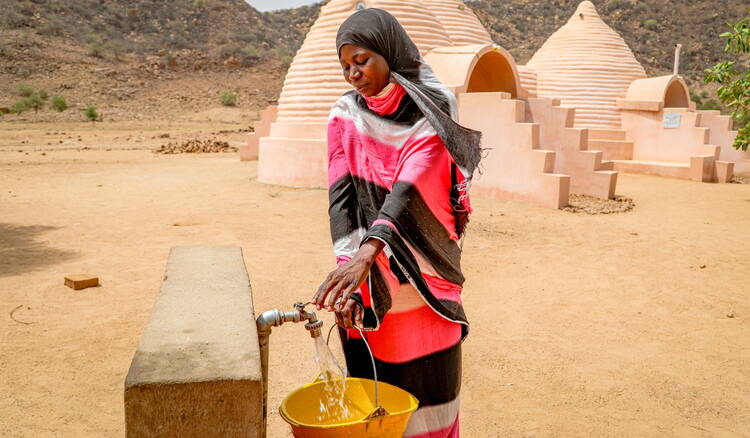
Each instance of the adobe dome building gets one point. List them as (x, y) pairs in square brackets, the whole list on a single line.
[(291, 137), (588, 66), (578, 113), (292, 150)]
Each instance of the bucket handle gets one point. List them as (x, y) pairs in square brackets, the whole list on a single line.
[(379, 410)]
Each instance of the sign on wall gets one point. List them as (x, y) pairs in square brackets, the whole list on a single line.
[(672, 120)]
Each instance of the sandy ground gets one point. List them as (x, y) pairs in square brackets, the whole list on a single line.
[(631, 324)]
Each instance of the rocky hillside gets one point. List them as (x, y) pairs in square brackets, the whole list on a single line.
[(213, 30), (650, 27), (133, 54)]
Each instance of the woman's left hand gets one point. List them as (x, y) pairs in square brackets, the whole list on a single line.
[(338, 286), (350, 315)]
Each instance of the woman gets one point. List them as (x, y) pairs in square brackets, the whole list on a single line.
[(398, 176)]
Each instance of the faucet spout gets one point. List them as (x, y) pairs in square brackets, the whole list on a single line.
[(275, 318)]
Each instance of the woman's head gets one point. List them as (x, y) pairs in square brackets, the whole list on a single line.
[(376, 40), (364, 69)]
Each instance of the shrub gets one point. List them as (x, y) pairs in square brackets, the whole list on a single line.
[(35, 102), (96, 50), (58, 104), (228, 98), (43, 94), (96, 46), (53, 27), (650, 24), (116, 48), (24, 90), (710, 104), (21, 106), (91, 114), (613, 5)]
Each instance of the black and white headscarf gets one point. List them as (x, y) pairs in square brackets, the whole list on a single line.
[(377, 30)]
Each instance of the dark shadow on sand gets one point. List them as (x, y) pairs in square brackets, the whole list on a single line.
[(21, 251)]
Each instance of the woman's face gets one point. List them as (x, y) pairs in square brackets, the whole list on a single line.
[(364, 69)]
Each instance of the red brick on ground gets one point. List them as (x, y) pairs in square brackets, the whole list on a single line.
[(81, 281)]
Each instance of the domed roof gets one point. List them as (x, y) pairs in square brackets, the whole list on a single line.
[(588, 66), (459, 21), (314, 80)]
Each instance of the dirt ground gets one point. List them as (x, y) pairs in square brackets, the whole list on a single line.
[(631, 324)]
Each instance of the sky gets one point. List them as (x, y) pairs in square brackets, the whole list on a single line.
[(270, 5)]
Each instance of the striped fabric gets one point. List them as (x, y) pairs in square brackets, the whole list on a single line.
[(391, 178)]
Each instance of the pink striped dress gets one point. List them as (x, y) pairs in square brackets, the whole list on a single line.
[(391, 178)]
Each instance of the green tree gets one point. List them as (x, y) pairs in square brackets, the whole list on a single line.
[(91, 113), (35, 102), (734, 79), (21, 106), (58, 103)]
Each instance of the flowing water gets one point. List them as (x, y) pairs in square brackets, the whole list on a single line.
[(334, 407)]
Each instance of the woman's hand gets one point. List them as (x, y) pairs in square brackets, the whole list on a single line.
[(340, 284), (351, 314)]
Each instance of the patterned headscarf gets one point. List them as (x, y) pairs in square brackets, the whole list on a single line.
[(377, 30)]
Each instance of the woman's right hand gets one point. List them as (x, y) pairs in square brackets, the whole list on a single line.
[(335, 292)]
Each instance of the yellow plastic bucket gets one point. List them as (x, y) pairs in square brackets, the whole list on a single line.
[(300, 410)]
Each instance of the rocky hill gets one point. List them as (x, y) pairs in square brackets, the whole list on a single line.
[(650, 27), (143, 56)]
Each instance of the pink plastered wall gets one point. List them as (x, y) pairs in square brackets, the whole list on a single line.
[(653, 142), (514, 167), (556, 132), (261, 128), (722, 135)]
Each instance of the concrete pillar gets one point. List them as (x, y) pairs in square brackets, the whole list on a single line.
[(197, 370)]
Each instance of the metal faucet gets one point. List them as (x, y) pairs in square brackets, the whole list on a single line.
[(275, 318)]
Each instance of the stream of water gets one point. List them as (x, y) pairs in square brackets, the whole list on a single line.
[(334, 406)]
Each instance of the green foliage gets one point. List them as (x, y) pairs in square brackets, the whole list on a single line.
[(650, 24), (734, 79), (35, 102), (21, 106), (43, 94), (286, 61), (228, 98), (91, 114), (58, 103), (613, 5), (24, 90), (96, 45), (701, 103), (198, 4)]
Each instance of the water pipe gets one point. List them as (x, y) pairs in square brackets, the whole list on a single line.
[(275, 318)]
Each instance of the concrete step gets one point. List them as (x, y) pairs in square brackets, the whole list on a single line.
[(606, 134), (612, 149), (667, 169)]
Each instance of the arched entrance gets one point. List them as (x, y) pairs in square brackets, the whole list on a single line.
[(493, 72), (476, 69), (676, 95)]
